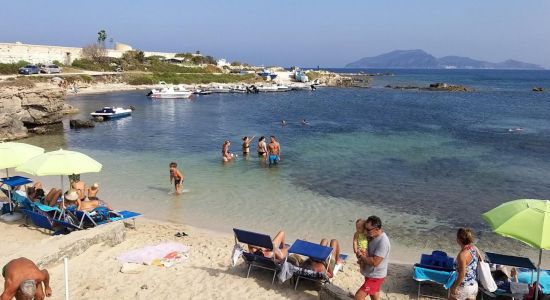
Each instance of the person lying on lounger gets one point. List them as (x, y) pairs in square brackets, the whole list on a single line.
[(322, 266), (280, 249)]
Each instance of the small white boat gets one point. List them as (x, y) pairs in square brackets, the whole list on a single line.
[(172, 92), (112, 112), (282, 88), (220, 89), (202, 92)]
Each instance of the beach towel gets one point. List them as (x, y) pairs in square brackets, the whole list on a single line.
[(165, 254)]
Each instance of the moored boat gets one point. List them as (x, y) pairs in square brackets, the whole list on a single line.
[(112, 112), (172, 92)]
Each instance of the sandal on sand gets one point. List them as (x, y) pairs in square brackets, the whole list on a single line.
[(181, 234)]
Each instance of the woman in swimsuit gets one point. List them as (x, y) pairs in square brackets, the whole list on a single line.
[(280, 249), (226, 155), (262, 147), (246, 144)]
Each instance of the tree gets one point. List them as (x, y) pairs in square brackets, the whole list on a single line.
[(101, 37), (94, 52)]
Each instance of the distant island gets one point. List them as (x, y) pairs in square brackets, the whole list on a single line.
[(419, 59)]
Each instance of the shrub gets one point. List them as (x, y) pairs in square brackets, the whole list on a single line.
[(87, 64), (12, 68)]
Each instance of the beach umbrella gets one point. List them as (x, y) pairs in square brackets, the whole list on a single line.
[(526, 220), (60, 162), (15, 154)]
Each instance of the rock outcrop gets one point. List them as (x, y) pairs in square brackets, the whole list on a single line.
[(439, 86), (23, 110), (75, 124)]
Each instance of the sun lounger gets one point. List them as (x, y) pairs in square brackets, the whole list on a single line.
[(437, 267), (101, 215), (314, 252), (255, 260), (525, 266), (41, 220)]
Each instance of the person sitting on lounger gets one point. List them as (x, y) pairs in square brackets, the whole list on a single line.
[(321, 267), (36, 192), (71, 199), (280, 249), (80, 187), (92, 191)]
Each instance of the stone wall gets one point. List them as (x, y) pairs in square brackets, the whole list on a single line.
[(14, 52), (25, 110)]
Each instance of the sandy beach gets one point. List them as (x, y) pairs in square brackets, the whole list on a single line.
[(206, 274)]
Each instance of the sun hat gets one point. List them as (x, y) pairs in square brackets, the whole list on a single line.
[(71, 195)]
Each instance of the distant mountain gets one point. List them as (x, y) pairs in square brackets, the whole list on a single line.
[(419, 59)]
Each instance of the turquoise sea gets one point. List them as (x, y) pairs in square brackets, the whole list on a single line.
[(425, 162)]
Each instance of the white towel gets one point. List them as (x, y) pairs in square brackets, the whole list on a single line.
[(237, 252)]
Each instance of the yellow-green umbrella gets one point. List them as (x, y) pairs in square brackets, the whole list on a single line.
[(526, 220), (60, 162), (14, 154)]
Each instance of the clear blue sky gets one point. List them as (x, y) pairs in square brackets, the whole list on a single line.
[(292, 32)]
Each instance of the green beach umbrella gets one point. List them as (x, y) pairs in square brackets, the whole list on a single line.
[(526, 220), (15, 154), (60, 162)]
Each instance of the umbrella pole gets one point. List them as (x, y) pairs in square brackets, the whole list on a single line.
[(62, 193), (538, 276), (7, 174)]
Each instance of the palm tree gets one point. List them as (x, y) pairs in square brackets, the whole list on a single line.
[(101, 37)]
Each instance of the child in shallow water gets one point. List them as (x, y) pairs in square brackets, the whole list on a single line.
[(177, 176), (360, 242)]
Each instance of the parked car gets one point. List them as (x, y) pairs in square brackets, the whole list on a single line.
[(50, 69), (29, 69)]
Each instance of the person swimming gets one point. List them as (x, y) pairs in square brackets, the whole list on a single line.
[(283, 123), (304, 122)]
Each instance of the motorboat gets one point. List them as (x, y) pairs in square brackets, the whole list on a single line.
[(267, 75), (282, 88), (170, 92), (220, 89), (300, 76), (202, 92), (109, 112)]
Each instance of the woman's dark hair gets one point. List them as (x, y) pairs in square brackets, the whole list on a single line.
[(244, 138), (375, 221), (173, 164), (465, 236), (261, 138)]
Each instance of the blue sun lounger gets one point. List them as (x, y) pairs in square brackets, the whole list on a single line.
[(55, 226), (437, 267), (526, 272), (100, 216), (315, 252), (255, 260)]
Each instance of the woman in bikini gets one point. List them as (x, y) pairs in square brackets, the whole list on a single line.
[(262, 147), (280, 249), (246, 144)]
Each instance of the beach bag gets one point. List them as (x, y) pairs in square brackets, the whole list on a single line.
[(484, 275)]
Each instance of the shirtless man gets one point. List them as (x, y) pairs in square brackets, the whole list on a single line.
[(92, 191), (274, 150), (23, 280), (80, 187)]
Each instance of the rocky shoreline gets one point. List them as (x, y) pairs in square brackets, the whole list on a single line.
[(31, 109)]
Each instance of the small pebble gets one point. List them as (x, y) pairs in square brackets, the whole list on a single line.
[(144, 287)]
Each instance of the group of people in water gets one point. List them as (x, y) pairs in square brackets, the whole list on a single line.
[(269, 152)]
